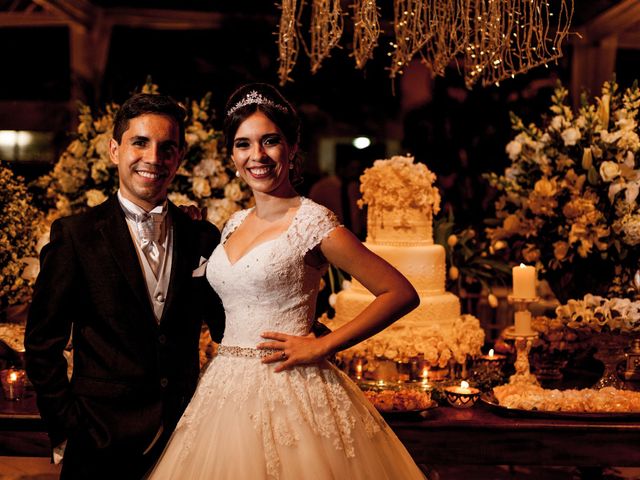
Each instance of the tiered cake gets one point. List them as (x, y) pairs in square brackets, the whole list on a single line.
[(401, 201)]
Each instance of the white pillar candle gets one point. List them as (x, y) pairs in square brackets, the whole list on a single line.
[(523, 322), (524, 281)]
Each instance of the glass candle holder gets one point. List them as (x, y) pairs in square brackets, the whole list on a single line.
[(13, 382), (492, 360), (462, 396)]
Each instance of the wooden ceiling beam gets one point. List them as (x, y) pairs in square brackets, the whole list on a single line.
[(630, 39), (617, 19), (174, 19), (36, 19), (79, 12)]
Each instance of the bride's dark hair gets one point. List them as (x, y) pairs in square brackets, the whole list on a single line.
[(254, 97)]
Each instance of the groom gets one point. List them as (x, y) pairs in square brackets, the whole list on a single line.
[(125, 281)]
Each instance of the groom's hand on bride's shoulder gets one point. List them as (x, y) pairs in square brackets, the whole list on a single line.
[(194, 213)]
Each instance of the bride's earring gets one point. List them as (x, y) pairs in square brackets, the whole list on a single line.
[(237, 174)]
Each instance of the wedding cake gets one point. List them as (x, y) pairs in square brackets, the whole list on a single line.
[(402, 200)]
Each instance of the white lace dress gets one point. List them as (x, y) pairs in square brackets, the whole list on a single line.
[(247, 422)]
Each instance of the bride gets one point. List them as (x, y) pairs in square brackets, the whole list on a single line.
[(270, 405)]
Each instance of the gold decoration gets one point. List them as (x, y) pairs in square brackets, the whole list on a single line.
[(326, 30), (411, 30), (287, 39), (512, 37), (492, 39), (366, 29), (448, 33)]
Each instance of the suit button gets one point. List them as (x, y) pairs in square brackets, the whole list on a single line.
[(164, 382), (160, 298), (162, 339)]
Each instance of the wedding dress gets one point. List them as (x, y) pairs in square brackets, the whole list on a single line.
[(246, 421)]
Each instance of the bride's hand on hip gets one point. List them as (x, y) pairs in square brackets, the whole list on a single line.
[(292, 350)]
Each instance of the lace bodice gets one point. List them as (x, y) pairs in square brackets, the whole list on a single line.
[(271, 288)]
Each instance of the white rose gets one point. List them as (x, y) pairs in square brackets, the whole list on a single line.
[(632, 231), (95, 197), (609, 171), (205, 168), (219, 180), (570, 136), (557, 122), (31, 269), (181, 199), (513, 149), (233, 192), (201, 187)]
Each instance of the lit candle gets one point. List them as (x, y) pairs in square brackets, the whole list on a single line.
[(524, 281), (425, 377), (359, 370), (492, 356), (381, 383), (523, 323), (464, 387), (12, 383)]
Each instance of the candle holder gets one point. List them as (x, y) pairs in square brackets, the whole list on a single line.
[(13, 382), (493, 361), (523, 337), (462, 396)]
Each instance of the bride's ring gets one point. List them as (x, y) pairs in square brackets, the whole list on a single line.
[(283, 355)]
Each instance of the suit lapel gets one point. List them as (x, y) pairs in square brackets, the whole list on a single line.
[(115, 231)]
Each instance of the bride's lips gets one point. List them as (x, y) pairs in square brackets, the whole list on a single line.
[(261, 171)]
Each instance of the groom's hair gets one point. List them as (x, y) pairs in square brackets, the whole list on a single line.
[(145, 103)]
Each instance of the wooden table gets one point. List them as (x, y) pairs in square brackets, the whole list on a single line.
[(22, 429), (444, 436), (479, 436)]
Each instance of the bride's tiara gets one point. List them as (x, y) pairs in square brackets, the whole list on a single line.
[(254, 97)]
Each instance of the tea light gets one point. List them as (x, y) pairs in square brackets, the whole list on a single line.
[(425, 377), (462, 396), (12, 383), (492, 358), (359, 370)]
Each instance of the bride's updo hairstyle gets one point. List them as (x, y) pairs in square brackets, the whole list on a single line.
[(265, 98)]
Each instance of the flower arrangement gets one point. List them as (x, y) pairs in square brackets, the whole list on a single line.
[(84, 175), (438, 345), (568, 201), (18, 227), (474, 264), (601, 315)]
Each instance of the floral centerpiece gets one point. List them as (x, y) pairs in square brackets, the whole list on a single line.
[(569, 198), (19, 227), (439, 347), (601, 315), (84, 175), (612, 321), (398, 182)]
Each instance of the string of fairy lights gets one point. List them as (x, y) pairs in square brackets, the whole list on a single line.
[(489, 40)]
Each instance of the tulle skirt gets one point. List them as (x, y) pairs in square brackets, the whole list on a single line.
[(312, 422)]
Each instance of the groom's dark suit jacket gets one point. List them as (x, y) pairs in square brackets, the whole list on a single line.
[(130, 374)]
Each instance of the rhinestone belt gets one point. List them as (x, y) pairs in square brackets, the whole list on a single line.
[(245, 351)]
